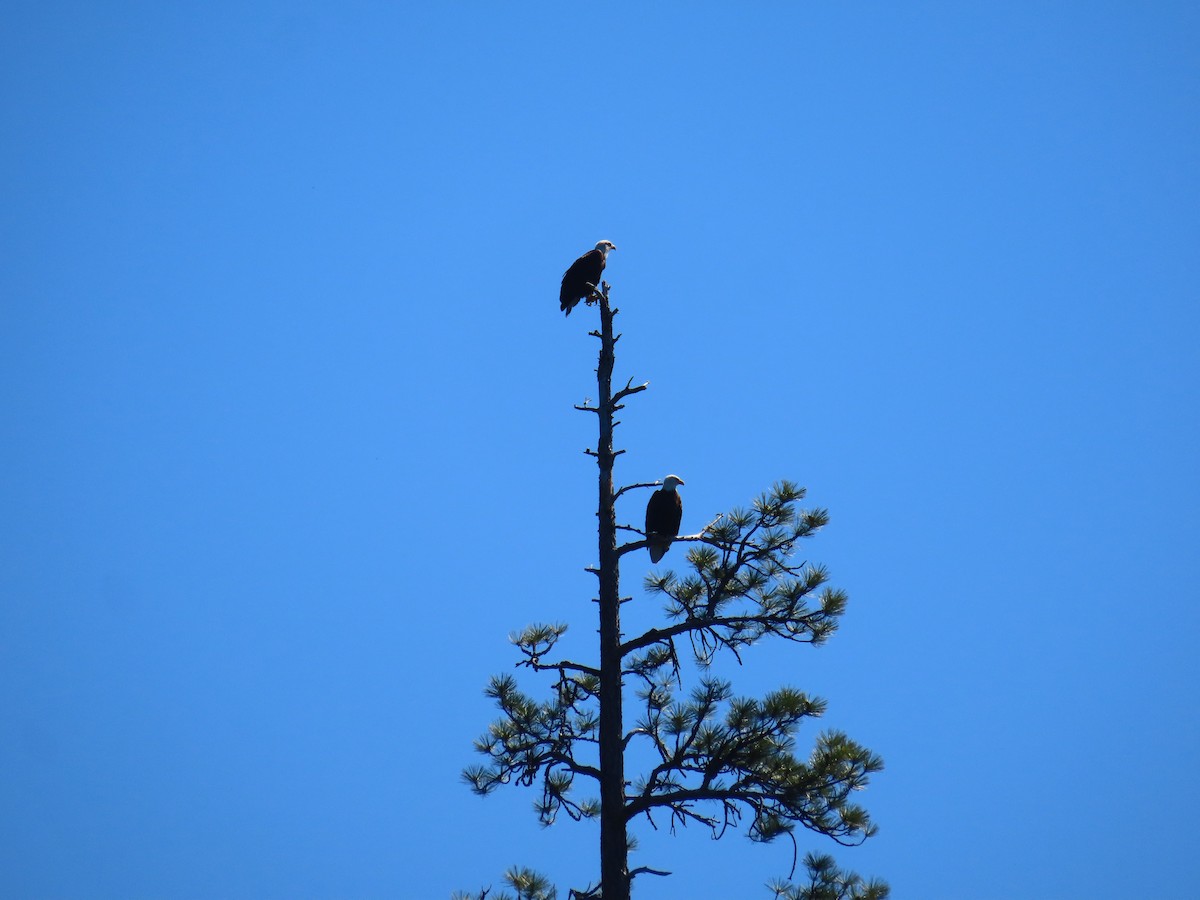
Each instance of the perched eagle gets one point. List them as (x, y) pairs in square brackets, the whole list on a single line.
[(663, 513), (583, 277)]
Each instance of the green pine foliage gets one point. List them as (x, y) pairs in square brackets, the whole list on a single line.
[(535, 743), (528, 884), (827, 882), (720, 760)]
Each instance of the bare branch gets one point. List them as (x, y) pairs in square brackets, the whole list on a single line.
[(700, 537), (629, 388), (629, 487), (646, 870), (563, 666)]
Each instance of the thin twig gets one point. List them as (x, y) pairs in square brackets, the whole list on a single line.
[(630, 487), (701, 538), (646, 870)]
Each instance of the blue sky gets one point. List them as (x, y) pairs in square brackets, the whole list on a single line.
[(288, 450)]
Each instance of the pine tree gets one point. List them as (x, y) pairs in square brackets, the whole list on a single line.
[(719, 760)]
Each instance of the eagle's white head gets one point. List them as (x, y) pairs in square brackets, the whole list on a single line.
[(671, 482), (604, 247)]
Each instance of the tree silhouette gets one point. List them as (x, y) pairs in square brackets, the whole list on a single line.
[(716, 759)]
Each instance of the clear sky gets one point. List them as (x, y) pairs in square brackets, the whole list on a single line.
[(287, 447)]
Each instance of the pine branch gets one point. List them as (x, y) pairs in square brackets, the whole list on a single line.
[(538, 640), (740, 626), (702, 536), (746, 763), (534, 743), (562, 666), (743, 585), (827, 882)]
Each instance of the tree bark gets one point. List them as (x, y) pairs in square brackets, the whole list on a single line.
[(614, 852)]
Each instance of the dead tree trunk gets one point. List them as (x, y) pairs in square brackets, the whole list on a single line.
[(614, 853)]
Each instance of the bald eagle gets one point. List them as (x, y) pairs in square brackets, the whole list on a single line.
[(583, 276), (663, 514)]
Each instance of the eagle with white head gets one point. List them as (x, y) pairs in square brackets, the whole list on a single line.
[(663, 515), (583, 276)]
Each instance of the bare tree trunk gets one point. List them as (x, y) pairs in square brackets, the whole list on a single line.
[(614, 852)]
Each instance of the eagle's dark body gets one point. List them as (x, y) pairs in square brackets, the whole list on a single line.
[(663, 515), (583, 277)]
